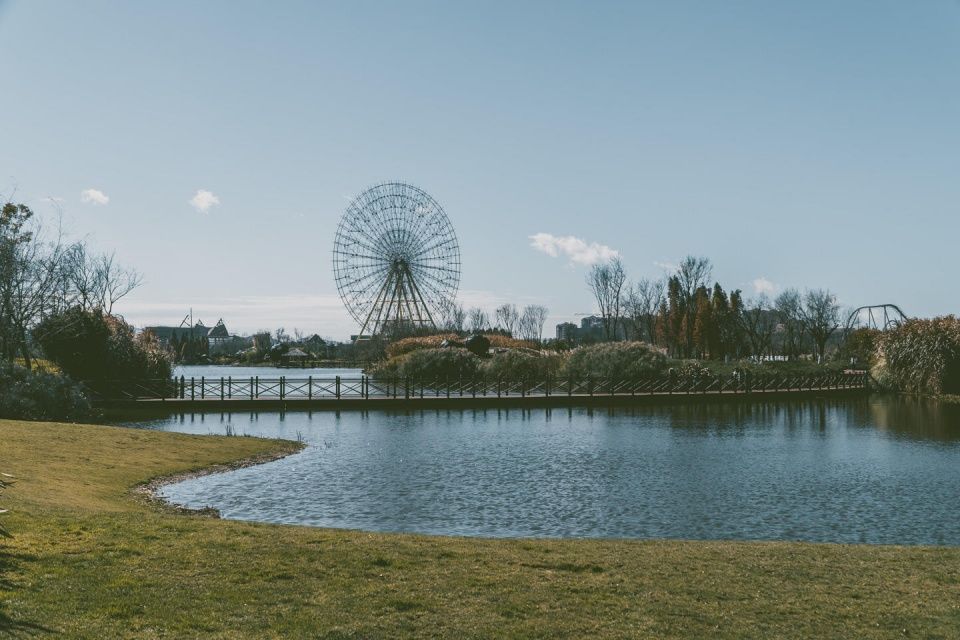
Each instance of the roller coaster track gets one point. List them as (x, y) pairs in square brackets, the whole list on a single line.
[(875, 316)]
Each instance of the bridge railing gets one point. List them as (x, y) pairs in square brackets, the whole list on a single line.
[(367, 387)]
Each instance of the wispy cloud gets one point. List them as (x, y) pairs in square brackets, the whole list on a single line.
[(94, 196), (202, 200), (576, 249), (763, 286), (667, 266)]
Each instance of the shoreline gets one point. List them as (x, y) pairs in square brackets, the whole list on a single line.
[(148, 491), (82, 540)]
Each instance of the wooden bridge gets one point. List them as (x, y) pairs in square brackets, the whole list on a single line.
[(366, 392)]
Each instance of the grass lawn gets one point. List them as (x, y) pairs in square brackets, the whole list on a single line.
[(89, 558)]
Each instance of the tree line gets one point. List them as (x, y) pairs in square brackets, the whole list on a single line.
[(43, 275), (526, 323), (690, 318)]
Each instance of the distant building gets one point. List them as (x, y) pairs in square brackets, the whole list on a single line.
[(567, 331), (166, 335), (589, 331), (217, 334), (294, 356)]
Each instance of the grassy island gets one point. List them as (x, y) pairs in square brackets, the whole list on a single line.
[(92, 557)]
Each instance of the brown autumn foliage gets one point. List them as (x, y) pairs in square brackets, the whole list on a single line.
[(415, 343), (923, 356)]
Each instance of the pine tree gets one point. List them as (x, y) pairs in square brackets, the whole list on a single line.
[(702, 324), (720, 312)]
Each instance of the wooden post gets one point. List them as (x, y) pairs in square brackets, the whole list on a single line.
[(310, 388), (338, 387), (203, 387), (251, 387), (229, 386), (192, 390), (447, 385), (281, 387), (183, 387), (406, 388), (257, 380), (221, 387)]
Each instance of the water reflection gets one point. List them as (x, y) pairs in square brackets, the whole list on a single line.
[(880, 469)]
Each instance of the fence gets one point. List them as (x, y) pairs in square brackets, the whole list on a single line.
[(368, 387)]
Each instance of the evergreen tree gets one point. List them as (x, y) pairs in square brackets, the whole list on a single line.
[(720, 314)]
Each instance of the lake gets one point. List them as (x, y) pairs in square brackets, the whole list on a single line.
[(882, 469), (223, 371)]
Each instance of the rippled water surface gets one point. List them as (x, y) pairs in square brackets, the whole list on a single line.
[(879, 470)]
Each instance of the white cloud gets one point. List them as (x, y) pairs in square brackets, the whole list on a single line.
[(576, 249), (94, 196), (667, 266), (761, 285), (203, 200)]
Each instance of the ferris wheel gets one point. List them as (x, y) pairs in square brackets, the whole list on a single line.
[(396, 259)]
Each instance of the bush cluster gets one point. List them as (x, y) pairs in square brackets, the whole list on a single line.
[(415, 343), (922, 356), (93, 346), (623, 360), (613, 360), (521, 364), (430, 364), (37, 395)]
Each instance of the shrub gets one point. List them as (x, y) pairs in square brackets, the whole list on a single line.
[(500, 341), (922, 356), (522, 365), (36, 395), (416, 343), (430, 364), (860, 348), (90, 346), (622, 360)]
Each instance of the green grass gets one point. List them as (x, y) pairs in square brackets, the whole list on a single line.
[(89, 558)]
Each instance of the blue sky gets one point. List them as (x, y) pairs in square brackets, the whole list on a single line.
[(811, 144)]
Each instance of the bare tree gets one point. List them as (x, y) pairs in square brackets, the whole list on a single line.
[(532, 320), (455, 318), (115, 282), (759, 323), (693, 273), (821, 318), (30, 277), (606, 283), (641, 304), (789, 308), (477, 320), (507, 317), (93, 281), (281, 336)]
